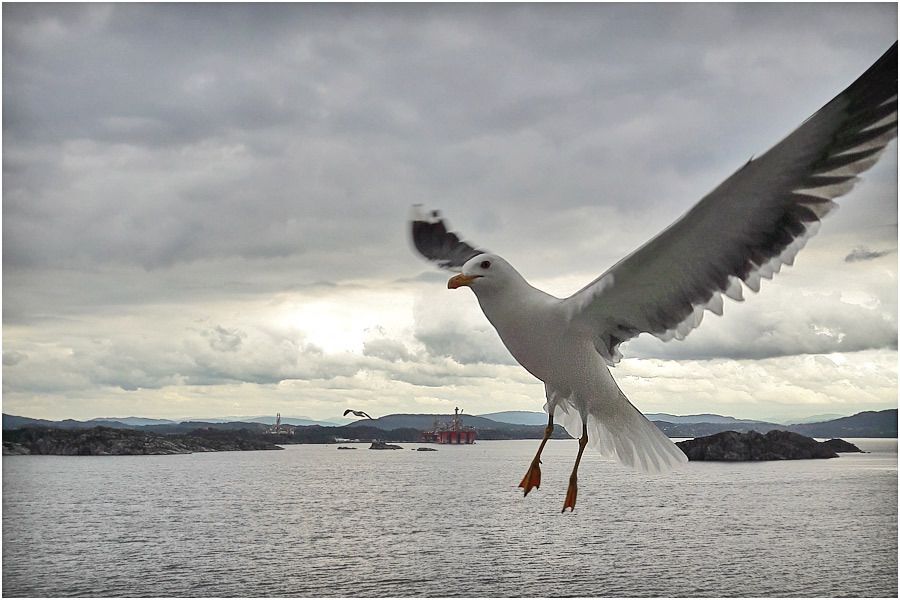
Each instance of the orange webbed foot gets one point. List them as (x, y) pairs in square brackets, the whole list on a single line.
[(532, 478)]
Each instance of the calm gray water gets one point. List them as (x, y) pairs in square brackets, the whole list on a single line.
[(315, 521)]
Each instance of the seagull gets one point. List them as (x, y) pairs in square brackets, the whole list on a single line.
[(357, 413), (746, 229)]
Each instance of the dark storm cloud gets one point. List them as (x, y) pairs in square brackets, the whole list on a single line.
[(137, 74), (154, 135)]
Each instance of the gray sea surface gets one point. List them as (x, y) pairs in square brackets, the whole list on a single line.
[(315, 521)]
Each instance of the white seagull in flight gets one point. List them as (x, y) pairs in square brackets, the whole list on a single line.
[(747, 228)]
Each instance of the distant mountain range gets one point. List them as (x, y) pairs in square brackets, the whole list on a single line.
[(133, 421), (527, 417), (270, 420), (300, 421), (14, 422), (812, 419), (701, 418), (423, 422), (506, 424), (882, 423), (518, 417), (865, 424)]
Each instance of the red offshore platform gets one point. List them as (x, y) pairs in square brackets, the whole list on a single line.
[(453, 433)]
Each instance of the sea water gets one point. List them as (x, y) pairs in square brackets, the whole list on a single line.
[(312, 520)]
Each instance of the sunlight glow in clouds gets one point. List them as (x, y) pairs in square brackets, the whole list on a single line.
[(342, 322)]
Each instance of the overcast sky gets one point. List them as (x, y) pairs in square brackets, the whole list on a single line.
[(204, 207)]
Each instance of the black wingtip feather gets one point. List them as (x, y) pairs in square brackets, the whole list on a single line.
[(432, 239)]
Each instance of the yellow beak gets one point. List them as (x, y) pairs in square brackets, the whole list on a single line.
[(461, 280)]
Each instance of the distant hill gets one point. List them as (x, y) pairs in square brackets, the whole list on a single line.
[(14, 422), (300, 421), (525, 417), (265, 419), (518, 417), (189, 426), (488, 429), (339, 421), (132, 421), (691, 430), (865, 424), (701, 418), (882, 423), (812, 419), (424, 422)]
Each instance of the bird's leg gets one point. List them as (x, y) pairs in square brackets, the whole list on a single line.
[(572, 492), (532, 478)]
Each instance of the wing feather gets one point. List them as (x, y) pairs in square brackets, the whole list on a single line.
[(433, 240), (751, 225), (618, 431)]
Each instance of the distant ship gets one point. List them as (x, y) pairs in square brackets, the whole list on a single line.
[(450, 433)]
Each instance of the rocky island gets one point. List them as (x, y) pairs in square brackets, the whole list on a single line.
[(750, 446), (379, 445), (105, 441), (839, 446)]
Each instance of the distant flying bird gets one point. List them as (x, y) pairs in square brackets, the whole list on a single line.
[(358, 413), (747, 228)]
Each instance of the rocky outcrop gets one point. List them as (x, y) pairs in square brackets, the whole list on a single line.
[(839, 445), (774, 445), (104, 441), (14, 449), (376, 445)]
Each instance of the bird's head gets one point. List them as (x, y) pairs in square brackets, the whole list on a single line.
[(483, 273)]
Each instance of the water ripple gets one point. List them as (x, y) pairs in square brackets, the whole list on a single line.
[(311, 521)]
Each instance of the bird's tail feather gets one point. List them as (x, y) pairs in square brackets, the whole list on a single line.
[(619, 431)]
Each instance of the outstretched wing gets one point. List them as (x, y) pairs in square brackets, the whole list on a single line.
[(748, 227), (357, 413), (432, 240)]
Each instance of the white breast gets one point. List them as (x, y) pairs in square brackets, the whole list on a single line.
[(532, 326)]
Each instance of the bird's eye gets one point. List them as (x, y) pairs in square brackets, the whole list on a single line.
[(485, 264)]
